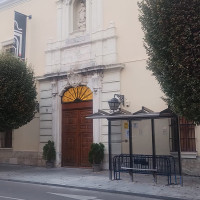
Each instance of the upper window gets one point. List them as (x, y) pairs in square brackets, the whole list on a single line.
[(77, 94), (7, 46), (6, 139)]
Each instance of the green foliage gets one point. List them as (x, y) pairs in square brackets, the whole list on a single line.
[(18, 93), (96, 153), (172, 41), (49, 152)]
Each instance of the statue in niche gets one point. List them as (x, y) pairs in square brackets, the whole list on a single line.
[(82, 16)]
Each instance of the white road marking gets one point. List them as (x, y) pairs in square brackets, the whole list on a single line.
[(78, 197), (10, 198)]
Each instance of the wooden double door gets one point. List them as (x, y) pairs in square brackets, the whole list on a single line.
[(77, 134)]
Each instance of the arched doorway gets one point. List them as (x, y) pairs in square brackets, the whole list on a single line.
[(77, 131)]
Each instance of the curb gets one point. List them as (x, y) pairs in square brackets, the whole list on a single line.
[(96, 189)]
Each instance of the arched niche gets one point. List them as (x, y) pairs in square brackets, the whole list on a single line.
[(78, 15)]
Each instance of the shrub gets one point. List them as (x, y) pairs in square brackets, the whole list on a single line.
[(96, 153), (49, 152)]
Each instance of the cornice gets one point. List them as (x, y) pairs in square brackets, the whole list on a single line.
[(11, 3), (117, 66)]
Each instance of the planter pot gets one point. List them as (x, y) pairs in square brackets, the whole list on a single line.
[(96, 167), (50, 164)]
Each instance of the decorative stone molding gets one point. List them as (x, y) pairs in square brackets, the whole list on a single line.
[(54, 88), (59, 2), (95, 82), (11, 3), (7, 42), (81, 52), (68, 2), (63, 87), (74, 79), (80, 49)]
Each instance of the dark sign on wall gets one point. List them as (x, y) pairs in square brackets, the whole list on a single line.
[(20, 34)]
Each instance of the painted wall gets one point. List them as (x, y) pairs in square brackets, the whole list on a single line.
[(140, 88), (125, 17), (40, 29), (26, 138), (137, 84)]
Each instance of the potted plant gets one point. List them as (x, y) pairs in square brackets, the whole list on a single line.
[(49, 153), (96, 155)]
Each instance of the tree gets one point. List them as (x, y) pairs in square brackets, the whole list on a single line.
[(172, 41), (17, 93)]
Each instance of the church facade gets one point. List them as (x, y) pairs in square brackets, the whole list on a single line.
[(83, 53)]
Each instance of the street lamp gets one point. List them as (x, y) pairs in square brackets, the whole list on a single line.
[(115, 102)]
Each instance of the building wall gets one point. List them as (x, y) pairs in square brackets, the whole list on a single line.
[(113, 40), (138, 85), (129, 34), (140, 88), (26, 137), (40, 29)]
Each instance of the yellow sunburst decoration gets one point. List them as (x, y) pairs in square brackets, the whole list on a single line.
[(77, 94)]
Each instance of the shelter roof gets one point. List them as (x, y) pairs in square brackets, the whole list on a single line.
[(122, 114)]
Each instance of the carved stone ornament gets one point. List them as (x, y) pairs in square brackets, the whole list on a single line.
[(74, 79), (96, 83), (68, 2), (82, 16)]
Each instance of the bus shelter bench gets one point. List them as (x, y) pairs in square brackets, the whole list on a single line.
[(143, 164)]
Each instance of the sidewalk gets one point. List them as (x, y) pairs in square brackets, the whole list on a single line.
[(85, 178)]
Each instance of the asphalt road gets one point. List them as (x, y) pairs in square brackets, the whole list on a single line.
[(25, 191)]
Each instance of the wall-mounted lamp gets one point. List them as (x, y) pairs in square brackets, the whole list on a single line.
[(115, 102), (29, 16)]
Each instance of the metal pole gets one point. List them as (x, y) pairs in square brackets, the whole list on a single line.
[(130, 148), (153, 149), (109, 149), (179, 150)]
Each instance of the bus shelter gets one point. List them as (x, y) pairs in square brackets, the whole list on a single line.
[(140, 115)]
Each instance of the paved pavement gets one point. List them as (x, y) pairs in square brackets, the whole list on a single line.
[(86, 178)]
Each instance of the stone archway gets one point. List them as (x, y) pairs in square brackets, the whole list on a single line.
[(77, 131)]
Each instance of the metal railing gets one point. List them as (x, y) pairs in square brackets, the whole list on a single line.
[(143, 164)]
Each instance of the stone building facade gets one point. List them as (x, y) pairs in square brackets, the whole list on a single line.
[(93, 48)]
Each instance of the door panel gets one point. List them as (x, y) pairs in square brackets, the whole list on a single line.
[(77, 134), (86, 136), (69, 139)]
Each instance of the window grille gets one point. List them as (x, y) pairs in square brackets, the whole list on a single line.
[(187, 136), (6, 139)]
